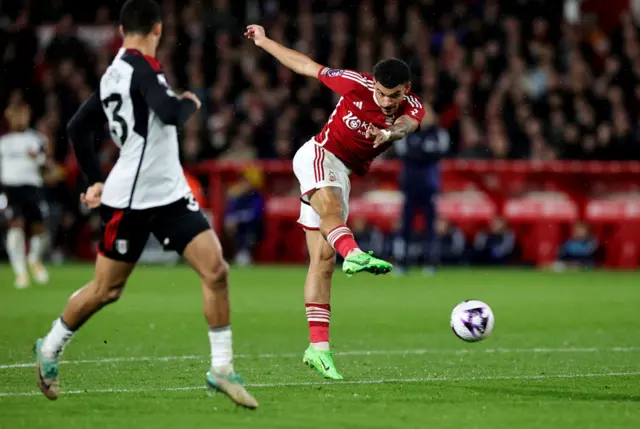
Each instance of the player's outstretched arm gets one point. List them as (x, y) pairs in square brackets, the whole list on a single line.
[(404, 125), (294, 60)]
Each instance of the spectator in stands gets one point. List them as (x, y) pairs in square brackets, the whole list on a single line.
[(579, 251), (448, 245), (506, 79), (244, 216), (66, 46), (420, 183), (494, 246)]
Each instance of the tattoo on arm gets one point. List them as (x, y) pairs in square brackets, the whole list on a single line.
[(401, 127)]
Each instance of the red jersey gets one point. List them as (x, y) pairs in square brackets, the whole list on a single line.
[(344, 133)]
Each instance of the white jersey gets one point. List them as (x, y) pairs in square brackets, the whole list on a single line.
[(142, 112), (21, 156)]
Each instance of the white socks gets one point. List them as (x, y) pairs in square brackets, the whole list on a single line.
[(16, 251), (37, 245), (221, 350), (322, 346), (56, 340)]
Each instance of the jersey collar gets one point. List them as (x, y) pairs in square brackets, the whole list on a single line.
[(154, 63)]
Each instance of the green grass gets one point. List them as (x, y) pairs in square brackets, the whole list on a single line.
[(565, 353)]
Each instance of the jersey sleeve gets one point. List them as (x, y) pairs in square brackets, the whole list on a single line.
[(414, 108), (341, 81), (82, 129), (159, 96)]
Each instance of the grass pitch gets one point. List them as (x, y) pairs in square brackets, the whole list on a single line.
[(565, 353)]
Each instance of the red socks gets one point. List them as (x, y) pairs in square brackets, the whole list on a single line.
[(318, 316), (341, 239)]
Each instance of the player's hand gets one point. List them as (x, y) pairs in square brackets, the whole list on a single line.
[(191, 96), (377, 135), (256, 33), (93, 196)]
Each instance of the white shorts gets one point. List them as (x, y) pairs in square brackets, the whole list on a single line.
[(317, 168)]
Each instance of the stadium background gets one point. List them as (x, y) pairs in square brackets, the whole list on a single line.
[(565, 350), (541, 99)]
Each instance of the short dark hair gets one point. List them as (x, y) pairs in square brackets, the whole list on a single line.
[(139, 16), (392, 72)]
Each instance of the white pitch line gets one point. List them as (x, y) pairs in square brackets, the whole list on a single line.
[(345, 353), (337, 383)]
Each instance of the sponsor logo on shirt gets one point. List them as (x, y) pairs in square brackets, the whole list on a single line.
[(354, 123)]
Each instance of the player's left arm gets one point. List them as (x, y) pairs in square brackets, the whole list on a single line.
[(401, 128), (410, 121)]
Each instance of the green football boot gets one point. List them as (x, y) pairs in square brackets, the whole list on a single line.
[(365, 262), (231, 385), (46, 373), (322, 361)]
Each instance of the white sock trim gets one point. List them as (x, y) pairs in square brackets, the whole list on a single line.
[(56, 340), (221, 348), (322, 346), (16, 250), (37, 245)]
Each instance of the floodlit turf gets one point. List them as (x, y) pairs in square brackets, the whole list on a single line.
[(565, 353)]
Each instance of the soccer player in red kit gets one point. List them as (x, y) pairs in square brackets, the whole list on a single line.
[(373, 111)]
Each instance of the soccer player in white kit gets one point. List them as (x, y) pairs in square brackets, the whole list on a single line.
[(23, 154), (145, 193)]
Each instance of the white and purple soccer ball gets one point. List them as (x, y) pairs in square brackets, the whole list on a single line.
[(472, 320)]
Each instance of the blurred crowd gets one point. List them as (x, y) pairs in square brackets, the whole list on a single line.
[(508, 79)]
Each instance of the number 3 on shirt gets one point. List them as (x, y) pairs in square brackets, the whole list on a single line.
[(115, 117)]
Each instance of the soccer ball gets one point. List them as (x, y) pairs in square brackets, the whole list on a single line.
[(472, 320)]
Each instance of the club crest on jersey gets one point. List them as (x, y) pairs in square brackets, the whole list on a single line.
[(332, 176), (389, 120), (334, 72), (122, 246)]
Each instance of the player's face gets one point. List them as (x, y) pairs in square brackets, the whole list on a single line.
[(18, 118), (389, 99)]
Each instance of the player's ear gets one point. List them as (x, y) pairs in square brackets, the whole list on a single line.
[(121, 30), (408, 86), (157, 30)]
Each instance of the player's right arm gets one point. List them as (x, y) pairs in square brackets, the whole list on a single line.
[(291, 59), (89, 119)]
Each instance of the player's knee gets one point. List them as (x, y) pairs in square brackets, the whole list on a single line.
[(111, 295), (99, 294), (327, 202), (215, 277)]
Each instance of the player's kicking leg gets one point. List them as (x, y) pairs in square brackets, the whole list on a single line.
[(317, 293), (106, 287), (37, 246), (329, 203), (17, 252), (204, 254)]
